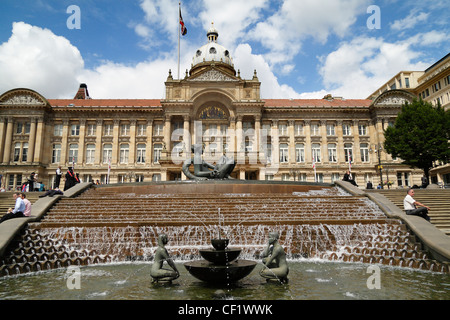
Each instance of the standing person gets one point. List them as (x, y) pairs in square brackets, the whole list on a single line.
[(31, 180), (27, 202), (424, 182), (70, 179), (410, 206), (58, 177), (18, 210)]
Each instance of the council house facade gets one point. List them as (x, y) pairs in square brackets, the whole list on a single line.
[(134, 140)]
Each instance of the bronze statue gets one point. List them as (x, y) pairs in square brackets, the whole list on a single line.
[(204, 170), (274, 259), (158, 273)]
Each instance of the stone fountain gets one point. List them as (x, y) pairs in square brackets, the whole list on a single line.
[(220, 264)]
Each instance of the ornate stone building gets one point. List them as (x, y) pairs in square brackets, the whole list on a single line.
[(148, 140)]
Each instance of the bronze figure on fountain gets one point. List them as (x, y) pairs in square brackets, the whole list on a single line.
[(274, 260), (206, 171), (158, 273)]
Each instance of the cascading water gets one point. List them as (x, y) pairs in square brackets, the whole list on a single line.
[(327, 223)]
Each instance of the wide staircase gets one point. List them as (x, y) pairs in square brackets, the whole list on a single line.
[(437, 199), (118, 224), (7, 200)]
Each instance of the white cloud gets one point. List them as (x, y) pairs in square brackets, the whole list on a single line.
[(37, 59), (283, 32), (410, 21), (231, 18), (359, 67), (270, 87)]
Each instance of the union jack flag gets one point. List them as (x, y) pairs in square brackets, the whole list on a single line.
[(183, 27)]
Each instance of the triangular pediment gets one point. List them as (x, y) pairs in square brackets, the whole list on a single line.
[(212, 75), (22, 97)]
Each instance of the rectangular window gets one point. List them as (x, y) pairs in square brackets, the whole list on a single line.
[(19, 127), (331, 130), (108, 130), (73, 153), (157, 149), (315, 148), (158, 129), (284, 154), (91, 130), (107, 153), (332, 152), (16, 152), (125, 130), (282, 130), (140, 157), (364, 149), (407, 83), (25, 152), (142, 130), (347, 129), (362, 129), (315, 130), (75, 130), (300, 153), (298, 128), (90, 153), (348, 152), (124, 153), (56, 153), (57, 130)]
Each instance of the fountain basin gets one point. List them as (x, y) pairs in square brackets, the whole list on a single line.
[(212, 273), (220, 244), (220, 257)]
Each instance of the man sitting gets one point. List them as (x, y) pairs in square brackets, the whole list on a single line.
[(410, 206), (18, 210)]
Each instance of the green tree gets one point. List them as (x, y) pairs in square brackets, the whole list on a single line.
[(420, 135)]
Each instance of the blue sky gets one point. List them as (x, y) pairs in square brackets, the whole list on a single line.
[(300, 48)]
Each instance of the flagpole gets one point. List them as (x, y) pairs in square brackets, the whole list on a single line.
[(179, 31)]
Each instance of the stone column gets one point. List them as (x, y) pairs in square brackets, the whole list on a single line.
[(356, 146), (8, 140), (132, 155), (115, 144), (98, 142), (2, 138), (257, 138), (167, 132), (324, 142), (240, 145), (232, 138), (81, 143), (149, 146), (340, 145), (187, 135), (64, 140), (291, 149), (38, 147), (32, 140), (308, 145), (275, 144)]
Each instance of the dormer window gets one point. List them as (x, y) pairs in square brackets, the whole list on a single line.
[(213, 50), (199, 53)]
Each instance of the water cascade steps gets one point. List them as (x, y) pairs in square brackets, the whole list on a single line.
[(104, 224)]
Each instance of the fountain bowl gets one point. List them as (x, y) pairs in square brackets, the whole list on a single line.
[(220, 244), (220, 257), (211, 273)]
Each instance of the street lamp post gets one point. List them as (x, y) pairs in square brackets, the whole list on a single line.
[(377, 149)]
